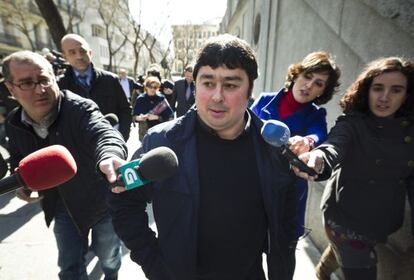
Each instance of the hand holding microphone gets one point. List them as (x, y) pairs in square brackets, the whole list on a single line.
[(277, 134), (41, 170), (156, 165), (313, 159)]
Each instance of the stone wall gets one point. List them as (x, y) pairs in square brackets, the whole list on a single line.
[(355, 32)]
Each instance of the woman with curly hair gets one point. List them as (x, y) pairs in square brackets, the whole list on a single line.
[(369, 161), (309, 83)]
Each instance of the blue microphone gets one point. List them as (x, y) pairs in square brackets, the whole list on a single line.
[(277, 134)]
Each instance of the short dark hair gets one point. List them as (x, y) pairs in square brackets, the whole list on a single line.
[(26, 57), (188, 68), (230, 51), (356, 97), (316, 62)]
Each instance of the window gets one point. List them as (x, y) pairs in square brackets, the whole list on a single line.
[(256, 29), (97, 31)]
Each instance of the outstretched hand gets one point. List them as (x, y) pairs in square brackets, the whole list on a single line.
[(313, 159), (299, 144), (109, 167)]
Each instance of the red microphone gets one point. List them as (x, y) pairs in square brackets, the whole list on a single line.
[(41, 170)]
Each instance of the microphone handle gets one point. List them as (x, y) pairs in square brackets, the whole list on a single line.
[(10, 183), (295, 161)]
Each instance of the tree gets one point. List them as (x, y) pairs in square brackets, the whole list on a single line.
[(53, 19), (22, 22), (110, 14), (185, 46)]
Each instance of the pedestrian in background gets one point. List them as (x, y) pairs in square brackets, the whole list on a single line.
[(151, 107), (232, 198), (103, 87), (166, 86), (369, 161), (128, 84), (309, 83), (183, 93), (48, 116)]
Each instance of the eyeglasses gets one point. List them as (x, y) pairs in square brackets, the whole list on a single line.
[(31, 85), (153, 87)]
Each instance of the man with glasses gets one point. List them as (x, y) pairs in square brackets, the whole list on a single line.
[(48, 116), (103, 87)]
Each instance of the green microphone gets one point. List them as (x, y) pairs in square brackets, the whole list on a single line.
[(154, 166)]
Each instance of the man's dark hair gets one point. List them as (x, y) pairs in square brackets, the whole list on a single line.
[(188, 68), (231, 52)]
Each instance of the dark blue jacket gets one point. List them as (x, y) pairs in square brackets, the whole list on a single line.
[(173, 253), (308, 121)]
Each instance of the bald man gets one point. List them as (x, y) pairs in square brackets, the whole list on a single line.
[(103, 87)]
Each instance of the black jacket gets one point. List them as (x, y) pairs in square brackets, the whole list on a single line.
[(82, 129), (106, 91), (172, 254), (181, 104), (371, 160)]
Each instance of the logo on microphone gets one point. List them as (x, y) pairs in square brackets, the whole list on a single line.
[(130, 175)]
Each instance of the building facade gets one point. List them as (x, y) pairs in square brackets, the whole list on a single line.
[(282, 32), (22, 27), (188, 38)]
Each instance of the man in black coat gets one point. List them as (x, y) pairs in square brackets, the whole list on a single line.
[(103, 87), (232, 198), (48, 116), (183, 93)]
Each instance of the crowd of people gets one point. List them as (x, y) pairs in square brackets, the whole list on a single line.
[(234, 196)]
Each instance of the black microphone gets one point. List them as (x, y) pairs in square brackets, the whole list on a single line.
[(155, 165), (277, 134), (41, 170)]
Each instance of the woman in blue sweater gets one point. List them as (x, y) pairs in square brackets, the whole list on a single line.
[(309, 83)]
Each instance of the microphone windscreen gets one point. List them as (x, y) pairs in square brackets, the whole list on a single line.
[(276, 133), (158, 164), (47, 167)]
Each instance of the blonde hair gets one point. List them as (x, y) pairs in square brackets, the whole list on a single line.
[(150, 81)]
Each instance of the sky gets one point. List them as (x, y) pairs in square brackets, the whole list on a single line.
[(157, 16)]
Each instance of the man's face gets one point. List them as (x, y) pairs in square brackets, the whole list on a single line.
[(77, 53), (122, 74), (39, 101), (221, 99), (188, 75)]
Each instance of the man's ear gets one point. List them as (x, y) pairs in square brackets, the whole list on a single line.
[(9, 86)]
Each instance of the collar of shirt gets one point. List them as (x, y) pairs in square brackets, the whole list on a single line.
[(41, 129), (247, 119), (125, 85), (88, 73)]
